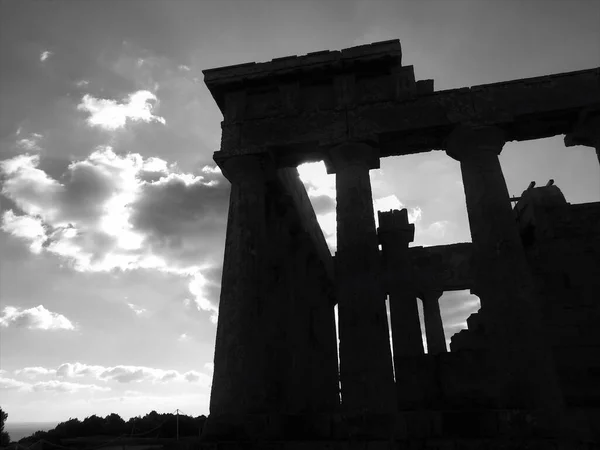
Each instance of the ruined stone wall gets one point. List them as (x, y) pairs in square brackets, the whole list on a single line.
[(562, 244), (563, 249)]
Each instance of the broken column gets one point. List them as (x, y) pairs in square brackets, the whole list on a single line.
[(434, 327), (240, 384), (365, 358), (395, 233), (519, 351)]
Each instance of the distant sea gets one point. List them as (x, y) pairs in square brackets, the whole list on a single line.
[(19, 430)]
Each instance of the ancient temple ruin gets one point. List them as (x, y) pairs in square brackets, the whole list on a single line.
[(528, 366)]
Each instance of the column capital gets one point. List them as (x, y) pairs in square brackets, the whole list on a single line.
[(586, 131), (352, 154), (467, 142), (246, 168)]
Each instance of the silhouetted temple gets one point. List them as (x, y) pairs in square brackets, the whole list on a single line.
[(525, 373)]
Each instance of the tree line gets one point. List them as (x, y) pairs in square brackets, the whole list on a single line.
[(152, 425)]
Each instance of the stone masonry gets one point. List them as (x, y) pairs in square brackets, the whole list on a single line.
[(527, 362)]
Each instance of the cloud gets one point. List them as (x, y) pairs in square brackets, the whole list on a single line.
[(137, 310), (122, 212), (198, 287), (12, 384), (183, 337), (78, 370), (45, 55), (38, 318), (28, 228), (30, 143), (129, 374), (65, 387), (34, 372), (49, 386), (111, 115)]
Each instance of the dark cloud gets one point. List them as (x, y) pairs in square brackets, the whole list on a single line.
[(184, 220), (322, 204)]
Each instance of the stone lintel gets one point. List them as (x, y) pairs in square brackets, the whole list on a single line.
[(449, 267), (524, 109)]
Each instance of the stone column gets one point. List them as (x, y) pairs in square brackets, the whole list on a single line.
[(434, 327), (521, 355), (365, 357), (240, 383), (586, 132)]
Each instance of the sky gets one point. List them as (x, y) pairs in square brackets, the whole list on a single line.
[(113, 213)]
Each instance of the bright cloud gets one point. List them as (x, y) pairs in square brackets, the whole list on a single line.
[(45, 55), (122, 212), (49, 386), (38, 318), (197, 288), (111, 115), (28, 228), (34, 372), (136, 309), (130, 374)]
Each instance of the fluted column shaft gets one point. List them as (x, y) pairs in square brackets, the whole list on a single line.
[(434, 327), (527, 375), (240, 362), (365, 357)]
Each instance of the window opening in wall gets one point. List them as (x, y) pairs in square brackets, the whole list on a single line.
[(455, 308)]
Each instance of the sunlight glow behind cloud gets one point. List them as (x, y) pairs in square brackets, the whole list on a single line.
[(120, 212)]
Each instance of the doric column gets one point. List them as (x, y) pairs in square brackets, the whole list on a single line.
[(434, 327), (586, 132), (365, 357), (521, 355), (395, 233), (240, 362)]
